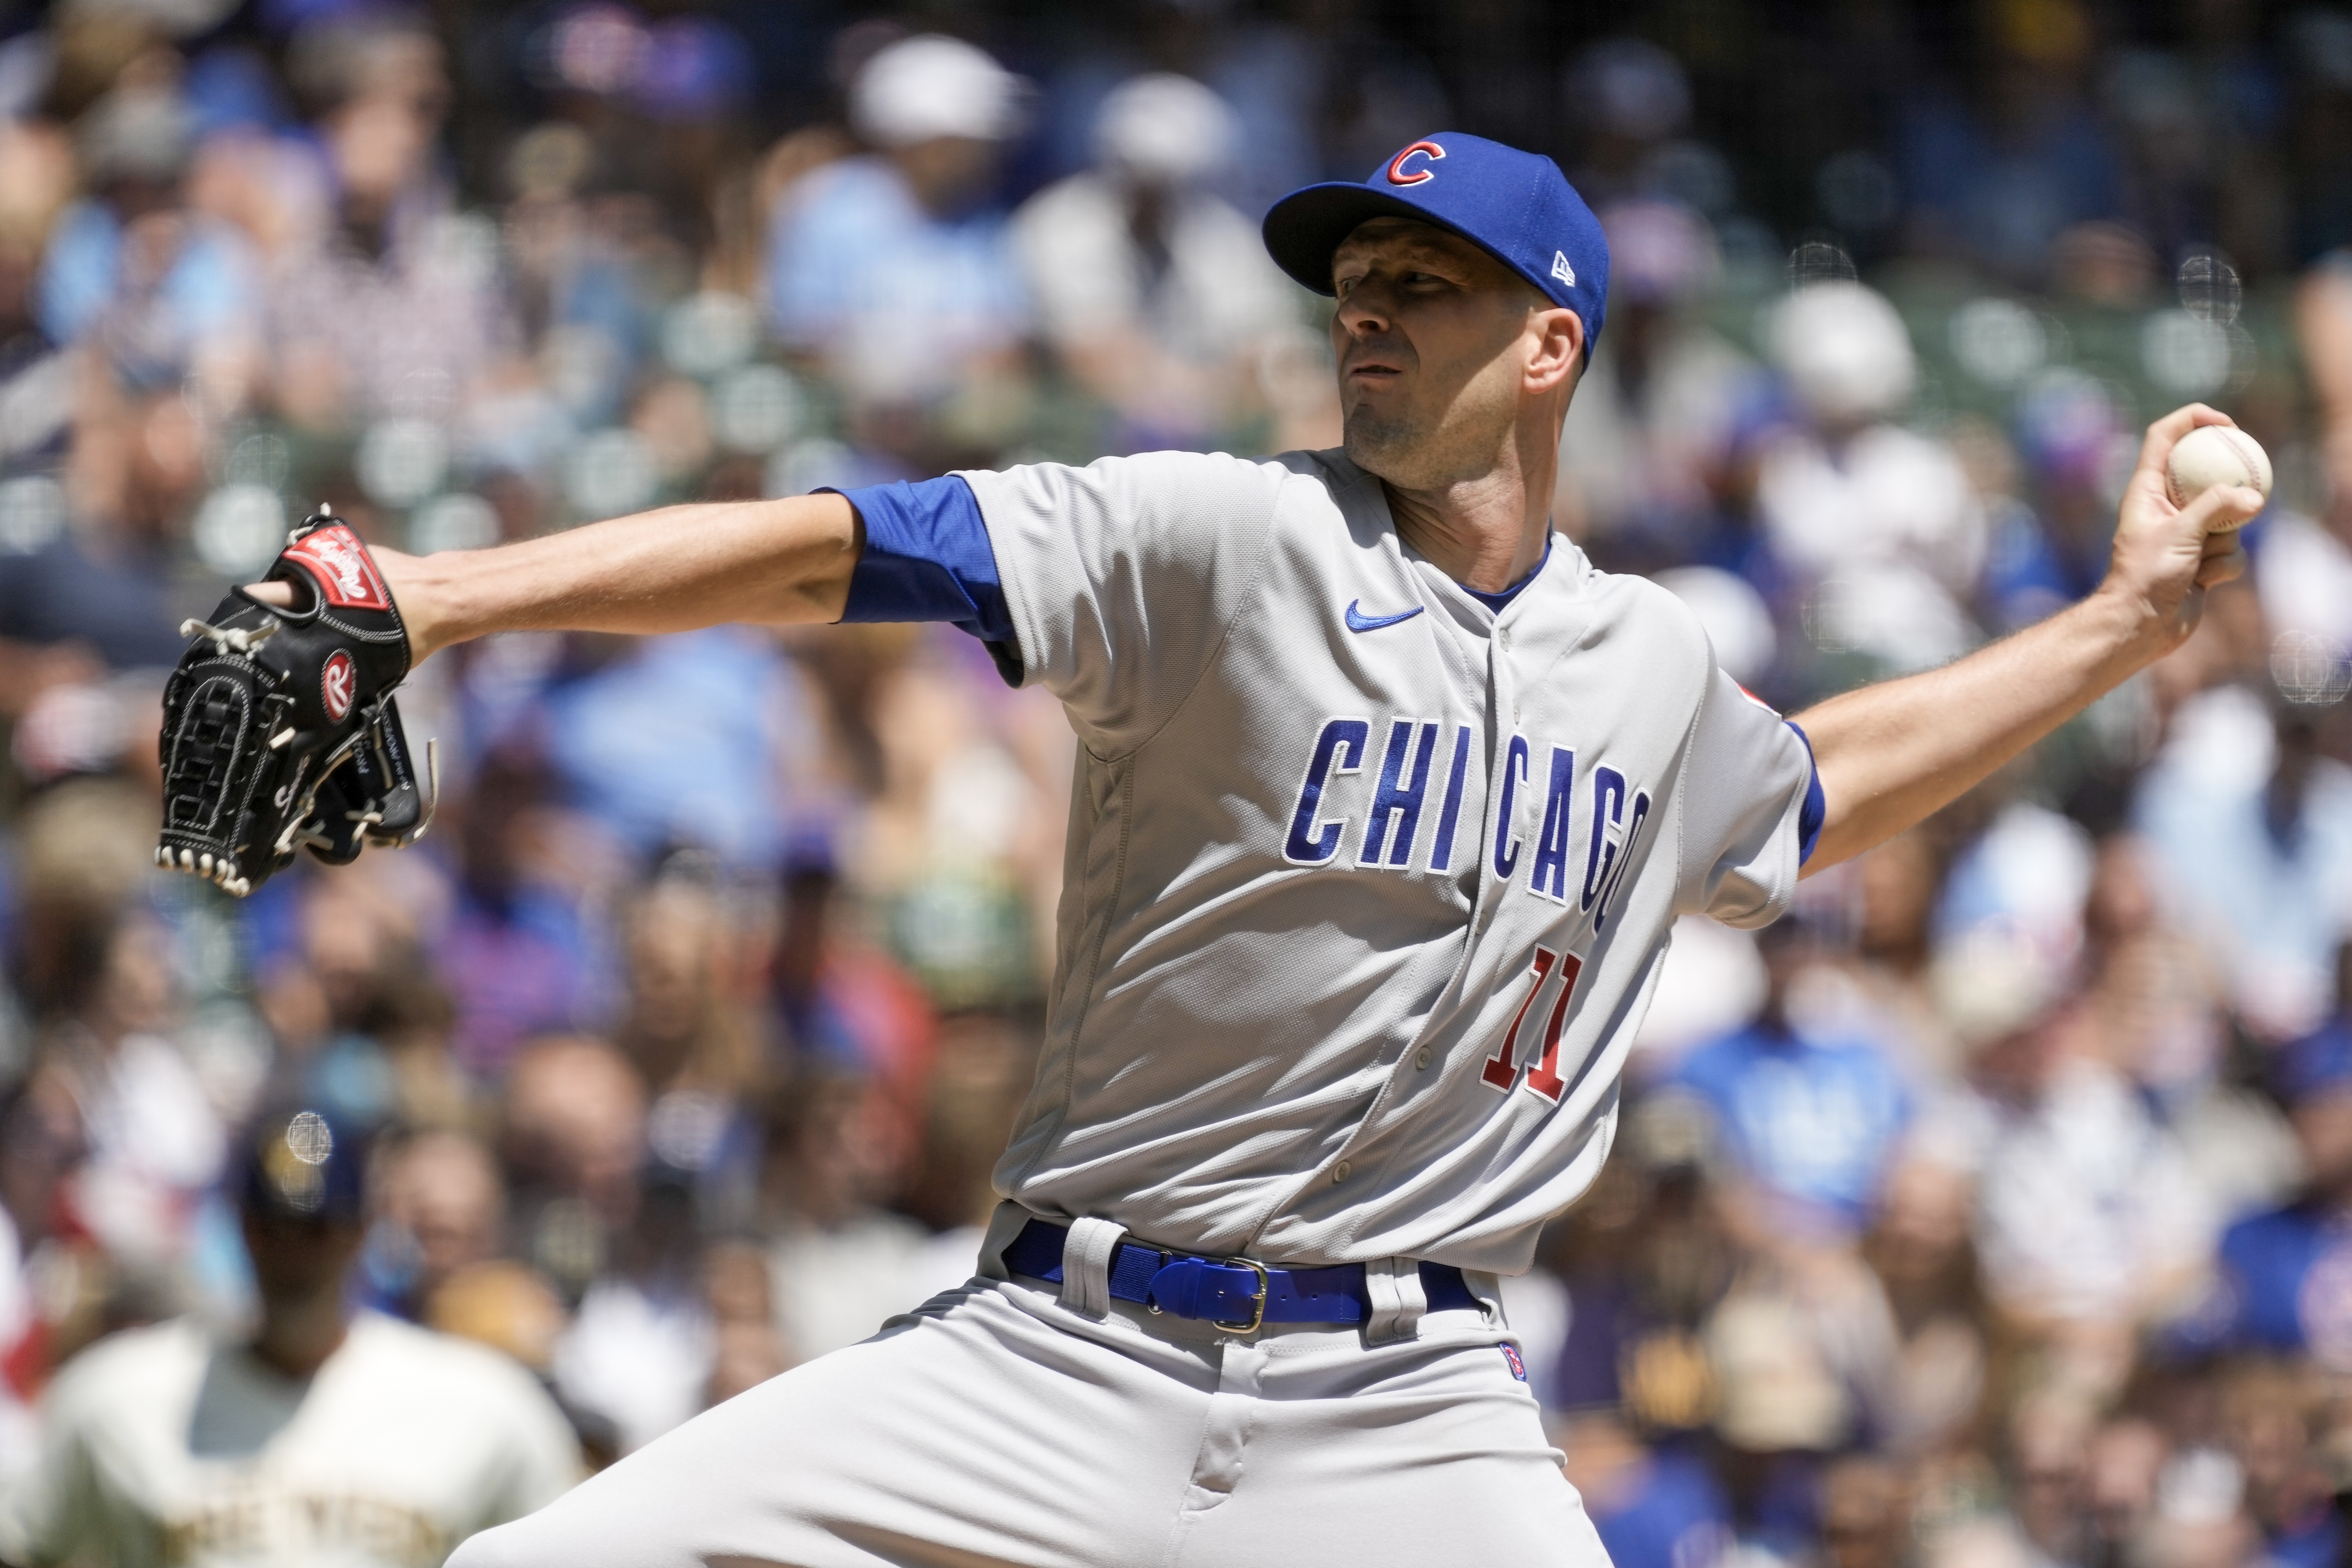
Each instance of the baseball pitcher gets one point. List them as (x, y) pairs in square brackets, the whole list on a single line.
[(1386, 801)]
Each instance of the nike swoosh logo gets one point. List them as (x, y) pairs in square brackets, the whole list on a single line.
[(1359, 622)]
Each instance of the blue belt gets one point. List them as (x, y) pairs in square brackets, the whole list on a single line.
[(1232, 1292)]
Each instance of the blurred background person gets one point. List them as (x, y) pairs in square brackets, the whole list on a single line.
[(2283, 1285), (441, 1211), (1809, 1113), (2262, 876), (384, 304), (2090, 1222), (1153, 291), (1650, 438), (839, 1261), (895, 268), (321, 1434), (1873, 522)]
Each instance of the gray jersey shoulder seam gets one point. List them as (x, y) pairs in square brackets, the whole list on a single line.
[(1225, 633), (1682, 792), (1681, 784)]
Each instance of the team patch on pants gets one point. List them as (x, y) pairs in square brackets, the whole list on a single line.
[(1519, 1367)]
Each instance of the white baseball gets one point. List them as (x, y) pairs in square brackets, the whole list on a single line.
[(2214, 455)]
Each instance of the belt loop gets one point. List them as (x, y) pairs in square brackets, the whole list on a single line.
[(1398, 1302), (1087, 1253)]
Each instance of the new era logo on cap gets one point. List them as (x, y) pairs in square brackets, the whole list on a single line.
[(1516, 205)]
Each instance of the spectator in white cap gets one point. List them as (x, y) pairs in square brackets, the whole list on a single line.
[(1155, 293), (1879, 522), (928, 89), (892, 266)]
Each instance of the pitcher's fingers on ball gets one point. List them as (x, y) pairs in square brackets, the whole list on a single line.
[(2214, 455), (2221, 510), (2165, 432)]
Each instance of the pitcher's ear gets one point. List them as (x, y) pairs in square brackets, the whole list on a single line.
[(1562, 353)]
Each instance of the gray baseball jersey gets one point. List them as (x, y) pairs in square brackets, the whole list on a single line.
[(1367, 884)]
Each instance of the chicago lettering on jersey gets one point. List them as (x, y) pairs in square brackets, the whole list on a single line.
[(1604, 862), (1415, 754), (1408, 774)]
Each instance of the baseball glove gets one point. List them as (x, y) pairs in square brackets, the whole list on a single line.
[(280, 730)]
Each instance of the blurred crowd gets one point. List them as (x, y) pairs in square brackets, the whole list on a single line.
[(1993, 1209)]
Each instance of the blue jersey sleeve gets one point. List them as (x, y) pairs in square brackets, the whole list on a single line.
[(1816, 808), (927, 557)]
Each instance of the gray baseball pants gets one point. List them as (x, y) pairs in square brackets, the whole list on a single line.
[(1010, 1423)]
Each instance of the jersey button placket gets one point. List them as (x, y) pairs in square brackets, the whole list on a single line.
[(1341, 1172), (1506, 686), (1504, 696)]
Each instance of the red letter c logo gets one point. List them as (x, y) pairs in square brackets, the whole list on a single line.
[(1400, 175)]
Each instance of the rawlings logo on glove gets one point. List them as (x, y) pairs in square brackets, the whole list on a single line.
[(335, 682), (280, 730), (335, 557)]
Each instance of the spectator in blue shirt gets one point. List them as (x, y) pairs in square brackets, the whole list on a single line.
[(1810, 1117), (128, 266), (1654, 1507), (893, 268), (679, 740), (2286, 1276), (2256, 851)]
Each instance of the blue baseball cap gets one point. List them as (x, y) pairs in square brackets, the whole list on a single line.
[(1516, 205)]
